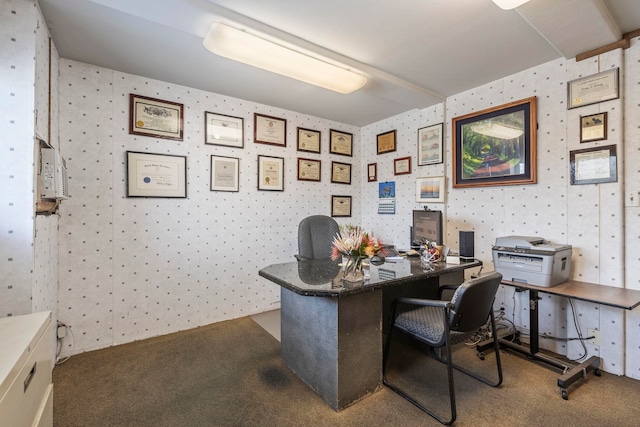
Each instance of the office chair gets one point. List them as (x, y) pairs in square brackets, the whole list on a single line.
[(441, 324), (315, 237)]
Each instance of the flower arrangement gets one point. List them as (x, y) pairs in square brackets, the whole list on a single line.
[(355, 244)]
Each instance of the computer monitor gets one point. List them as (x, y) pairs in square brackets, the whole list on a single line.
[(427, 226)]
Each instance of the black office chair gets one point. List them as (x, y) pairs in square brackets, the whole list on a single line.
[(315, 237), (445, 323)]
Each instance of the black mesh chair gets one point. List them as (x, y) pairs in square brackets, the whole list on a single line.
[(441, 324), (315, 237)]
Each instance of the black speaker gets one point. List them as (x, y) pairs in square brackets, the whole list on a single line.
[(466, 245)]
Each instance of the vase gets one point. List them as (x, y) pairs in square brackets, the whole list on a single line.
[(352, 268)]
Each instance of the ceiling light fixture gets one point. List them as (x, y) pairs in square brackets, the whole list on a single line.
[(509, 4), (247, 48)]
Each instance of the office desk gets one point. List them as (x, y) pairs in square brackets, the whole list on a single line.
[(331, 332), (600, 294)]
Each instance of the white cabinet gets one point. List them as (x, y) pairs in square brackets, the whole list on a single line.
[(26, 391)]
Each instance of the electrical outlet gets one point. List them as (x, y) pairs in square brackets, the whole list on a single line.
[(596, 336)]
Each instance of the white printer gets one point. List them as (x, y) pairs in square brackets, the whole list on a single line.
[(531, 260)]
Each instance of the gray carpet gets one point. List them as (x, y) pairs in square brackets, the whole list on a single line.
[(230, 374)]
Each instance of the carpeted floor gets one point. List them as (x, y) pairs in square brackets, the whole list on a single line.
[(230, 374)]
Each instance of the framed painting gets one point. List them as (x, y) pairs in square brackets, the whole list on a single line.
[(430, 147), (430, 189)]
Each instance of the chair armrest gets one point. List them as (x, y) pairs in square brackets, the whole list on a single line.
[(301, 258)]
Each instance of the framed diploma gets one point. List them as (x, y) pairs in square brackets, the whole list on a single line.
[(593, 89), (593, 127), (372, 172), (340, 173), (270, 173), (308, 170), (430, 189), (340, 206), (386, 142), (402, 166), (593, 165), (156, 175), (269, 130), (225, 173), (223, 130), (155, 118), (430, 147), (309, 140), (340, 142)]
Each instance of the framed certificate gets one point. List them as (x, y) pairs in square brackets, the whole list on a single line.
[(156, 175), (593, 165), (155, 117), (270, 173), (340, 142), (430, 147), (386, 142), (225, 173), (402, 166), (223, 130), (340, 206), (269, 130), (372, 172), (308, 170), (340, 173), (309, 140), (593, 127), (589, 90)]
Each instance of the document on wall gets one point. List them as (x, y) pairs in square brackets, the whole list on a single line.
[(387, 198)]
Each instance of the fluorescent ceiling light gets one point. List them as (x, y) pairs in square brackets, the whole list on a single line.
[(509, 4), (241, 46)]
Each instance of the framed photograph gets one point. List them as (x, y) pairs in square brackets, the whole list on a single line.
[(269, 130), (593, 165), (224, 130), (270, 173), (593, 127), (372, 172), (496, 146), (340, 173), (402, 166), (225, 173), (340, 206), (589, 90), (308, 170), (309, 140), (430, 189), (156, 175), (155, 117), (340, 142), (386, 142), (430, 146)]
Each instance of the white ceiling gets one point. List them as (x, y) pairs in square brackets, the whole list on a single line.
[(414, 52)]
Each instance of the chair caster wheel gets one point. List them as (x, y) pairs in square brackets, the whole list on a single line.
[(481, 355), (597, 372), (564, 394)]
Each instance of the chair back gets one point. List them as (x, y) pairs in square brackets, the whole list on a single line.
[(472, 302), (315, 236)]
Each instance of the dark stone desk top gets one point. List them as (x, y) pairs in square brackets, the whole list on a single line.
[(322, 277)]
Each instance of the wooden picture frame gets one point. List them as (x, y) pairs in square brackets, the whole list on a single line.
[(340, 206), (270, 173), (269, 130), (593, 127), (595, 165), (225, 174), (496, 146), (155, 117), (340, 142), (600, 87), (309, 140), (309, 170), (340, 173), (372, 172), (402, 166), (386, 142), (430, 145), (224, 130), (430, 189), (156, 175)]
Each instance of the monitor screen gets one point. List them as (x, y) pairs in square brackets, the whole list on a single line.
[(427, 226)]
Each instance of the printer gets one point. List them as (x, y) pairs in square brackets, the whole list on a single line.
[(531, 260)]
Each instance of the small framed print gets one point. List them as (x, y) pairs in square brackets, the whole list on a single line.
[(225, 173), (593, 89), (155, 117), (340, 173), (224, 130), (430, 189), (156, 175), (593, 127), (386, 142), (402, 166), (270, 173), (308, 170), (372, 172), (269, 130), (430, 147), (593, 165), (309, 140), (340, 142), (340, 206)]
